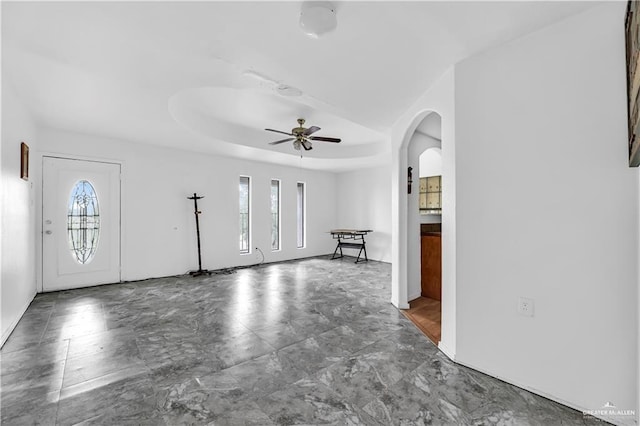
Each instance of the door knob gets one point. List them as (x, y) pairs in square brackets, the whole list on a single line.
[(48, 232), (48, 222)]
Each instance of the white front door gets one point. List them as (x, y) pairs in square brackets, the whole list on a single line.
[(80, 223)]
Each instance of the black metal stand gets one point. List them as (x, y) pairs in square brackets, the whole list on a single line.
[(200, 271), (357, 242)]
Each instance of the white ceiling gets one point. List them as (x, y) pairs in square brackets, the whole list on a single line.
[(201, 75)]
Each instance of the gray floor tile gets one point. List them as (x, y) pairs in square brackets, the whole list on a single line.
[(266, 374), (310, 341), (110, 400), (309, 402)]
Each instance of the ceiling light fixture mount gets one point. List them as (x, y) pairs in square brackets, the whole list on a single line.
[(286, 90), (277, 86), (318, 18)]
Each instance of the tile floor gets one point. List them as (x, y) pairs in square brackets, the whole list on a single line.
[(311, 341)]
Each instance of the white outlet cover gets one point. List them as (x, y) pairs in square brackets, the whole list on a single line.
[(525, 306)]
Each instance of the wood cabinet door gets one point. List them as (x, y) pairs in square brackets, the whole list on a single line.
[(433, 200), (423, 184), (433, 184), (423, 201), (431, 282)]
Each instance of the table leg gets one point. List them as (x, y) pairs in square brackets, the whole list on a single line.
[(336, 250)]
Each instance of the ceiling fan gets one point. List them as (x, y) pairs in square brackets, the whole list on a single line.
[(302, 136)]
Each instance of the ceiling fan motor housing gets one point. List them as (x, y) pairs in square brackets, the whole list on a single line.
[(299, 131)]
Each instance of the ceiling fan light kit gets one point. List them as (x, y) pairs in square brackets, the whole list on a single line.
[(302, 136), (318, 18)]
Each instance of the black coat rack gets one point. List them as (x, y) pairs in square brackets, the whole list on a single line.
[(197, 212)]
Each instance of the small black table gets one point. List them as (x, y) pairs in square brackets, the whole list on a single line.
[(350, 238)]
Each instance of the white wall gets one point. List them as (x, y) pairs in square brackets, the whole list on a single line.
[(363, 203), (431, 163), (18, 282), (158, 221), (548, 209)]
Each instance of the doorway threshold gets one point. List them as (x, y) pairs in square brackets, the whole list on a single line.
[(426, 314)]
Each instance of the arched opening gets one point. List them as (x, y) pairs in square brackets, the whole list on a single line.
[(408, 145), (424, 226)]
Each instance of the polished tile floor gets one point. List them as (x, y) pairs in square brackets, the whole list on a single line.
[(311, 341)]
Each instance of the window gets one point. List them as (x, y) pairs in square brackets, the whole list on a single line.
[(83, 222), (300, 214), (244, 214), (275, 214)]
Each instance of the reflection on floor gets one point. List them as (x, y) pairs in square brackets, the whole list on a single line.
[(426, 314), (311, 341)]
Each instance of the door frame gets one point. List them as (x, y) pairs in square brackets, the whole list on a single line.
[(39, 194)]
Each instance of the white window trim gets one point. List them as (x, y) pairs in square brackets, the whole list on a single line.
[(248, 252), (304, 215)]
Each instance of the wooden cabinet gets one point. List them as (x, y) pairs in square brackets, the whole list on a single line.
[(431, 281), (430, 201), (423, 200), (433, 184), (433, 200), (423, 185)]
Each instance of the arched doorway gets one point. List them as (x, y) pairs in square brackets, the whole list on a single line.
[(405, 238), (424, 218)]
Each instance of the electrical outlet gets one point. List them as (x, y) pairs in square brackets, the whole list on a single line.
[(525, 307)]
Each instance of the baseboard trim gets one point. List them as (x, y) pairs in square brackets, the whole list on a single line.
[(400, 305), (616, 420), (448, 352), (414, 297), (14, 323)]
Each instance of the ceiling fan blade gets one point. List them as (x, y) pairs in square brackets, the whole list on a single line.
[(282, 141), (307, 145), (278, 131), (311, 130), (323, 139)]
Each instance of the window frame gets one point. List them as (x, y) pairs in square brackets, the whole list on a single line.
[(248, 249), (301, 219)]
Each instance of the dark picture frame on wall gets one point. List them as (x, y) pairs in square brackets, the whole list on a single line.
[(24, 161), (632, 34)]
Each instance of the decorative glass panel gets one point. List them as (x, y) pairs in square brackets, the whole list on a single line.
[(83, 222)]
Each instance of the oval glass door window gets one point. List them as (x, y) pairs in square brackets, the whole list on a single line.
[(83, 222)]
